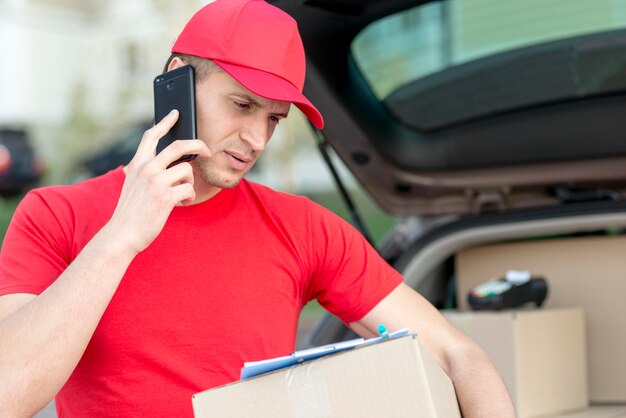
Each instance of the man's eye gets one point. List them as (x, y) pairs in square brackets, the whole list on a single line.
[(242, 106), (274, 119)]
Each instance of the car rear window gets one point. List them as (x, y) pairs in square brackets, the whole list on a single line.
[(436, 36), (14, 139)]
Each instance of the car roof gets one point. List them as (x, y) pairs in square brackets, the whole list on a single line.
[(500, 131)]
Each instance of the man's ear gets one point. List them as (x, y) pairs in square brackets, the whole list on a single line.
[(176, 62)]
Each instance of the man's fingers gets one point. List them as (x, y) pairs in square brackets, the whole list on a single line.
[(148, 144), (182, 147), (178, 174), (178, 181), (147, 147), (183, 194)]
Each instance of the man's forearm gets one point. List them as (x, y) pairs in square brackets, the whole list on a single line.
[(479, 387), (41, 343)]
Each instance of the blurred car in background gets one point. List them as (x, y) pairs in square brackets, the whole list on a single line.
[(5, 159), (120, 152), (20, 166)]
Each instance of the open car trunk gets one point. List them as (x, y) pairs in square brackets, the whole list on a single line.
[(506, 153), (577, 249), (427, 263), (501, 129)]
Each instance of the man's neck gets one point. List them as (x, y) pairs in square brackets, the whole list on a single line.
[(204, 191)]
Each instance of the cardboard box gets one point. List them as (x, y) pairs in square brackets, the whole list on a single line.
[(540, 354), (394, 378), (588, 272)]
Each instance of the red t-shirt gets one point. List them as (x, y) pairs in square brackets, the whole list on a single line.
[(223, 283)]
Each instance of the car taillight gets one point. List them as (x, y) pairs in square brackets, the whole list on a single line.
[(5, 159)]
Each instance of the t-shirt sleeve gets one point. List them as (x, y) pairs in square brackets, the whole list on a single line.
[(350, 277), (34, 252)]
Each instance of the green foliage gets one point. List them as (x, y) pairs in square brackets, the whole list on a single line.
[(7, 207), (81, 129)]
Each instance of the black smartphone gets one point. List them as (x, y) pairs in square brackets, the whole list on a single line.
[(176, 90)]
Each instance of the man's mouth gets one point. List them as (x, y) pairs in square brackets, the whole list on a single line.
[(240, 157), (238, 161)]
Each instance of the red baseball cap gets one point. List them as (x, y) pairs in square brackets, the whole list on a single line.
[(255, 43)]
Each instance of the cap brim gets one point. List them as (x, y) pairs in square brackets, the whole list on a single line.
[(272, 87)]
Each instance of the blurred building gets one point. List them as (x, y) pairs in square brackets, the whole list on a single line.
[(78, 73), (100, 52)]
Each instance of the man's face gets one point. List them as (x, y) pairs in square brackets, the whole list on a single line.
[(236, 125)]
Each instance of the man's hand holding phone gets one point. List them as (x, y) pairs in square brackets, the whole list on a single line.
[(155, 179), (175, 90), (153, 186)]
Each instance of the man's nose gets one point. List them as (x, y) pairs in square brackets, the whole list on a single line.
[(256, 134)]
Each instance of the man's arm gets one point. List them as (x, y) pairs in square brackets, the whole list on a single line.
[(479, 388), (43, 337)]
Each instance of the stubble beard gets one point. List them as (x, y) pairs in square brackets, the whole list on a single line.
[(211, 175)]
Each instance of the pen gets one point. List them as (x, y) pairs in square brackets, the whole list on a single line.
[(382, 330)]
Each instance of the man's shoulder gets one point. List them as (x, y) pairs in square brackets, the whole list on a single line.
[(86, 192), (292, 204)]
